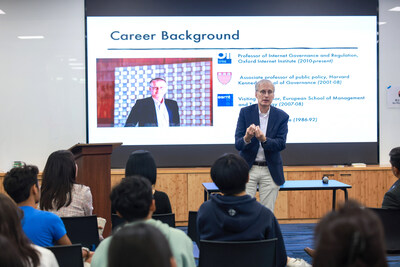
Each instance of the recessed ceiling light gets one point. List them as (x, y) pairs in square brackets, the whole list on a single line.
[(382, 23), (2, 12), (396, 8), (25, 37), (75, 64)]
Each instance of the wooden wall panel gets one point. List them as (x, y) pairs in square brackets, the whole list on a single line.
[(185, 190), (1, 186), (368, 187), (175, 185), (195, 187), (116, 178), (281, 206), (307, 204)]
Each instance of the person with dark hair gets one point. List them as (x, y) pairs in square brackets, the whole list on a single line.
[(391, 200), (142, 163), (260, 136), (42, 228), (351, 236), (60, 194), (133, 201), (140, 245), (155, 110), (18, 245), (8, 254), (236, 216)]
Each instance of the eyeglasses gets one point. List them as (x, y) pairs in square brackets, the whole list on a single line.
[(264, 92)]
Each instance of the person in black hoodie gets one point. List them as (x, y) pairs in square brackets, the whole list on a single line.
[(236, 216)]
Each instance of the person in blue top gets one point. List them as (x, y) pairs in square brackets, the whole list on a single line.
[(235, 215), (41, 227)]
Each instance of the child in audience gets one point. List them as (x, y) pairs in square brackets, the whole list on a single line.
[(140, 245), (60, 194), (351, 236), (236, 216), (43, 228), (141, 162), (133, 201), (18, 245)]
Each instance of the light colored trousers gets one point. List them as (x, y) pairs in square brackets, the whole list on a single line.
[(260, 175)]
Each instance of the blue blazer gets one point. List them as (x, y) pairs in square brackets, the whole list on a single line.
[(277, 130), (144, 113)]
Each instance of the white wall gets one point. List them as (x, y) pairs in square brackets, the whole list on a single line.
[(42, 97), (389, 74)]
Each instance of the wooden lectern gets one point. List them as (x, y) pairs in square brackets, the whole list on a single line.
[(94, 170)]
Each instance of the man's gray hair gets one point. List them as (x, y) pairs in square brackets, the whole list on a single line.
[(262, 82), (157, 79)]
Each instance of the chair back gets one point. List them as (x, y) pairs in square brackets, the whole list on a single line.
[(68, 256), (116, 221), (260, 253), (391, 221), (192, 227), (83, 230), (168, 218)]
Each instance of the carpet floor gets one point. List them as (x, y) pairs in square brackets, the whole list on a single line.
[(299, 236)]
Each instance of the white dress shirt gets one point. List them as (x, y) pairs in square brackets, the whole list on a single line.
[(263, 126), (162, 113)]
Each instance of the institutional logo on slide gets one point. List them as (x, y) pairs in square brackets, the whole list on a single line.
[(224, 77), (224, 58), (225, 100)]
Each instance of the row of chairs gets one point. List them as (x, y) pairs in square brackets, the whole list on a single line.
[(213, 254), (390, 219), (84, 229), (233, 254), (83, 232), (68, 256), (263, 253)]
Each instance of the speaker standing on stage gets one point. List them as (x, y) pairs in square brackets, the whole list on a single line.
[(260, 136)]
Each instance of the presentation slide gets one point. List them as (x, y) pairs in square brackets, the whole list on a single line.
[(324, 69)]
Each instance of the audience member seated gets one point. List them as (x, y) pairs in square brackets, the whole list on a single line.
[(391, 200), (236, 216), (142, 163), (350, 236), (43, 228), (9, 254), (140, 245), (60, 194), (18, 251), (133, 201)]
